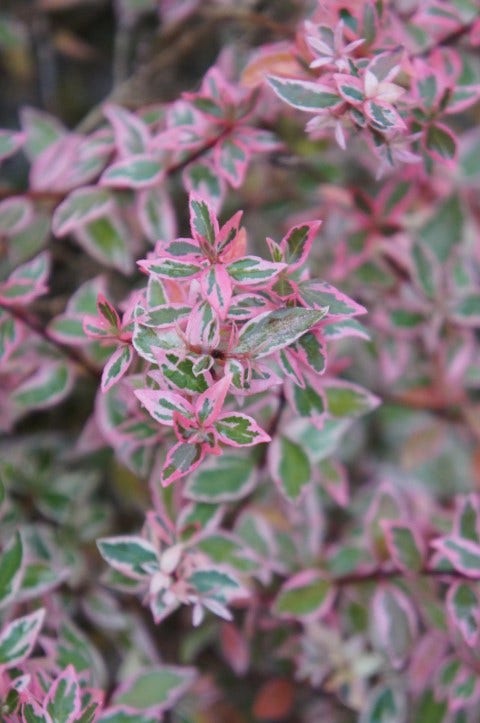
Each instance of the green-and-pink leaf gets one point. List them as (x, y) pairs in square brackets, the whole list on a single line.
[(116, 366), (240, 430), (18, 638)]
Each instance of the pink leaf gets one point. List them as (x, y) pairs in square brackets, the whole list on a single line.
[(131, 133), (217, 288), (181, 459), (63, 699), (116, 366), (203, 223), (203, 328), (209, 404), (162, 405)]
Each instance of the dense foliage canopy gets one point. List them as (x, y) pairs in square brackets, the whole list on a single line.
[(240, 361)]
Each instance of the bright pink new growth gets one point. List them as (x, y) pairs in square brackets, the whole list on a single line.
[(217, 344)]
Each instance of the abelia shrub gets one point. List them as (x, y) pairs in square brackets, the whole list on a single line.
[(239, 366)]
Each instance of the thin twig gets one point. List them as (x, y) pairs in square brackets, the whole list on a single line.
[(35, 326), (380, 574), (448, 39)]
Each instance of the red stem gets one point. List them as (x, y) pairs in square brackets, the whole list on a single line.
[(380, 574)]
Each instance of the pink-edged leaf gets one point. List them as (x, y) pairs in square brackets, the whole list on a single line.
[(156, 292), (181, 459), (232, 159), (440, 142), (383, 116), (463, 608), (147, 342), (203, 179), (108, 312), (245, 306), (106, 239), (63, 701), (181, 374), (457, 683), (404, 544), (311, 350), (169, 268), (18, 638), (33, 712), (164, 315), (466, 310), (41, 131), (68, 329), (54, 168), (350, 88), (134, 172), (45, 388), (116, 366), (186, 247), (216, 287), (131, 133), (162, 405), (317, 294), (255, 378), (217, 585), (96, 327), (156, 213), (290, 467), (306, 401), (92, 154), (465, 692), (385, 66), (304, 94), (290, 366), (222, 478), (206, 106), (461, 98), (80, 207), (275, 249), (15, 214), (306, 596), (209, 404), (11, 569), (296, 244), (26, 282), (203, 328), (464, 555), (129, 554), (253, 271), (394, 623), (275, 330), (203, 222), (154, 690), (232, 239), (345, 327), (240, 430), (10, 143), (334, 480), (10, 335), (259, 140), (345, 399)]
